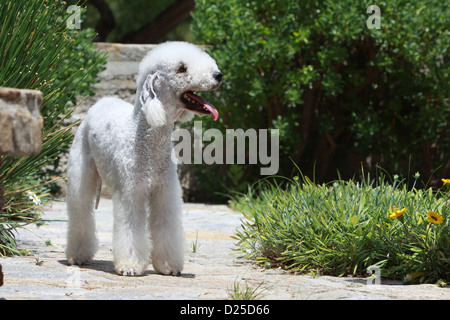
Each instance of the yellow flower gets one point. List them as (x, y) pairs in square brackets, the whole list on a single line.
[(434, 217), (446, 181), (397, 214)]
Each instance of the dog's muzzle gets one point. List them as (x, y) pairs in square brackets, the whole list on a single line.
[(196, 104)]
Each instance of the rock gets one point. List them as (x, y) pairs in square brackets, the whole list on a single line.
[(20, 122)]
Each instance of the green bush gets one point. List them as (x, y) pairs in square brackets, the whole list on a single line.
[(344, 227), (39, 52), (339, 92)]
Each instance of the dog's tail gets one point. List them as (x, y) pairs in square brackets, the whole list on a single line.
[(99, 191)]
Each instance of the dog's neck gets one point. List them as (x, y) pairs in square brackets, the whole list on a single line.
[(172, 113), (153, 138)]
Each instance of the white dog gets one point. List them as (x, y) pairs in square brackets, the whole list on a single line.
[(129, 148)]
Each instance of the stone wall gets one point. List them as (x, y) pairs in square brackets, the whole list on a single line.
[(20, 122), (119, 77)]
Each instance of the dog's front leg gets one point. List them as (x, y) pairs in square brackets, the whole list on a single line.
[(131, 242), (166, 227)]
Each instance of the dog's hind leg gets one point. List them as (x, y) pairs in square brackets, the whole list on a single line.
[(82, 181)]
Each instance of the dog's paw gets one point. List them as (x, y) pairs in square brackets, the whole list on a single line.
[(175, 273), (169, 272), (127, 273), (80, 261), (130, 271), (81, 252), (165, 269)]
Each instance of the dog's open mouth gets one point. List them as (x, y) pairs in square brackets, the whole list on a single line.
[(198, 105)]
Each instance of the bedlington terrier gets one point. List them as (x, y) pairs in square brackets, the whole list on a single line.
[(129, 148)]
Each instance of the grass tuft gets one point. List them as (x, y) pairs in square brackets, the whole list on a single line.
[(244, 291), (344, 227)]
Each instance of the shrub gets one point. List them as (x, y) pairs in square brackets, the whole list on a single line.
[(39, 52), (339, 93), (344, 227)]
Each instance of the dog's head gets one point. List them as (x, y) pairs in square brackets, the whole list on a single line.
[(169, 77)]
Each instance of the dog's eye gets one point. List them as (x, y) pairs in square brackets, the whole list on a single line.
[(182, 69)]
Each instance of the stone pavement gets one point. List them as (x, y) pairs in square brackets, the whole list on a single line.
[(212, 267)]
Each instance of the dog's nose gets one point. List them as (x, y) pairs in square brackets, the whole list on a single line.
[(218, 76)]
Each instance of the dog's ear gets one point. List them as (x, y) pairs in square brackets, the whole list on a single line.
[(151, 106)]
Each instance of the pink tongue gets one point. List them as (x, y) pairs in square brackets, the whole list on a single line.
[(214, 112), (206, 104)]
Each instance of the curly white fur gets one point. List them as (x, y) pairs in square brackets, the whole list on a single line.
[(129, 148)]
